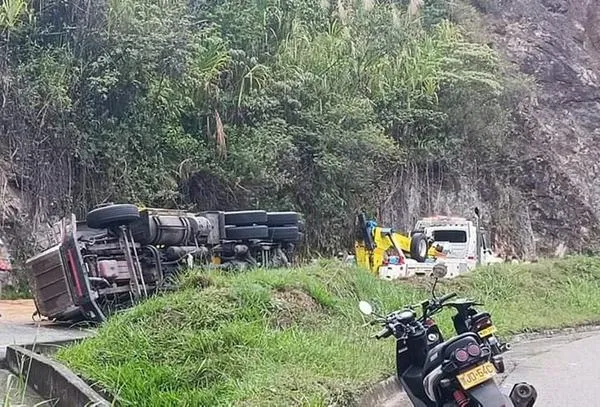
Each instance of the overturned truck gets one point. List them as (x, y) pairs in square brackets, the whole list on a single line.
[(121, 254)]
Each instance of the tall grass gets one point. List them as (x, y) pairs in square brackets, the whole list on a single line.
[(15, 393), (295, 337)]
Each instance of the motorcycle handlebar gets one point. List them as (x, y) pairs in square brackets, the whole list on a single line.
[(447, 297), (384, 333), (437, 304)]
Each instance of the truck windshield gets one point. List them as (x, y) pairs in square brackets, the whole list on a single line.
[(452, 236)]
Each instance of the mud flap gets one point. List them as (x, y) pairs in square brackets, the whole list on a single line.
[(489, 395)]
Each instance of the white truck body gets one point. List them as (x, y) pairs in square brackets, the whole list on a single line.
[(458, 238)]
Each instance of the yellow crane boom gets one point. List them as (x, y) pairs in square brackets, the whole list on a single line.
[(375, 243)]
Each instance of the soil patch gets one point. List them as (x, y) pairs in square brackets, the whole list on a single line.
[(16, 310), (291, 305)]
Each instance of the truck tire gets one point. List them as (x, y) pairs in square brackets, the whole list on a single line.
[(246, 218), (282, 218), (419, 247), (246, 232), (112, 215), (284, 234)]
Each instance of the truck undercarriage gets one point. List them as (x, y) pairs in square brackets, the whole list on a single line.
[(121, 255)]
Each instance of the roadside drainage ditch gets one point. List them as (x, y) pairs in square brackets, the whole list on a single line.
[(50, 379)]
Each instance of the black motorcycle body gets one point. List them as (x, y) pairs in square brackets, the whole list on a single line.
[(411, 354), (469, 319), (466, 319), (458, 372), (443, 370), (430, 375)]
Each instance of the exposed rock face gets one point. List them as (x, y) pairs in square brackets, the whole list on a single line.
[(556, 42), (545, 196)]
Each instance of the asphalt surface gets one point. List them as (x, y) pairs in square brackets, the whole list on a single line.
[(20, 333), (17, 328), (564, 368)]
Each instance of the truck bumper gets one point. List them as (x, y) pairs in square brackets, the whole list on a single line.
[(426, 269), (394, 272)]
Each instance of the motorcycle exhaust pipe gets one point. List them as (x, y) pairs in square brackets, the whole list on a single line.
[(506, 347), (523, 395)]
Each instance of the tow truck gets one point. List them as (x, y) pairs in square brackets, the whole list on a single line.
[(387, 252), (462, 244)]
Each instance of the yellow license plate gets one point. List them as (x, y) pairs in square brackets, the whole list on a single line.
[(487, 331), (477, 375)]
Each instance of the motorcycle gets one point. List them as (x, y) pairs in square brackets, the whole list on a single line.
[(466, 319), (457, 372)]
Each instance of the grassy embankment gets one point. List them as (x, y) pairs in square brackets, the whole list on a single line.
[(296, 337)]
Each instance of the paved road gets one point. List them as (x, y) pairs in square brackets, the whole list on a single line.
[(565, 369), (24, 333), (17, 328)]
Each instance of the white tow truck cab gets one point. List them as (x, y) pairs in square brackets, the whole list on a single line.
[(459, 242)]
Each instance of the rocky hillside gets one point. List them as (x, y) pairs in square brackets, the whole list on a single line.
[(542, 195)]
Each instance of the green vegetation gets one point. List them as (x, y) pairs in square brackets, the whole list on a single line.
[(296, 337), (16, 292), (310, 105)]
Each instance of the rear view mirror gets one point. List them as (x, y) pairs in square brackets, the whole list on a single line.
[(440, 270), (365, 308)]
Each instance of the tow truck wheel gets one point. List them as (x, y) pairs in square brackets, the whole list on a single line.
[(418, 247), (112, 215)]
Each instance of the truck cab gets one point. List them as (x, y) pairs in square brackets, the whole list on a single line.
[(457, 241), (457, 237)]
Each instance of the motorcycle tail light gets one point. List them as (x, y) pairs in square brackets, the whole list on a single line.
[(482, 323), (461, 355), (474, 350)]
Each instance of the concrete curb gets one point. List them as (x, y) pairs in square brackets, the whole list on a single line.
[(381, 392), (49, 348), (50, 379)]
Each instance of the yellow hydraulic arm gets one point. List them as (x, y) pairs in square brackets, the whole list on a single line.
[(374, 242)]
